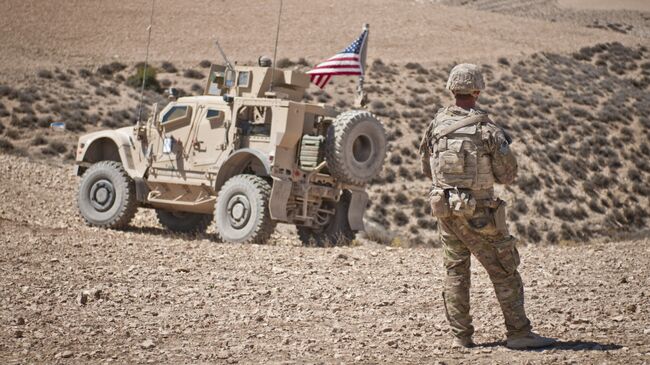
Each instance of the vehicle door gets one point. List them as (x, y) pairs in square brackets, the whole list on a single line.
[(210, 138), (172, 150)]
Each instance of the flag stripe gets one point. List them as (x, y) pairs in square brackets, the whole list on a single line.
[(326, 71), (331, 63), (344, 63)]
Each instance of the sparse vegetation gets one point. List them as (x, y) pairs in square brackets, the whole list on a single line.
[(6, 145), (45, 74), (168, 67), (150, 81), (284, 63), (193, 74)]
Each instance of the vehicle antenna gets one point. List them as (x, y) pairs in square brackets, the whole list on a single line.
[(275, 49), (146, 61)]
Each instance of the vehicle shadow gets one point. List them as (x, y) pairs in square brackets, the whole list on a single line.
[(577, 345), (157, 231)]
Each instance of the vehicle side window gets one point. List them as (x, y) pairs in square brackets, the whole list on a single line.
[(213, 114), (174, 113), (244, 79)]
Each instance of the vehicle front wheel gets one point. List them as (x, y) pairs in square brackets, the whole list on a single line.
[(335, 232), (107, 196), (184, 222), (241, 213)]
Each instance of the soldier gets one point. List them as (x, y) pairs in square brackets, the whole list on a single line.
[(466, 153)]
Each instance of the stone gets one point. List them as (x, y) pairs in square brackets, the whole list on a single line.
[(147, 344), (82, 299), (20, 321), (66, 354)]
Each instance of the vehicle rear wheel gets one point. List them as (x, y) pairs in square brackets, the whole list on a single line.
[(356, 147), (184, 222), (336, 232), (241, 213), (107, 196)]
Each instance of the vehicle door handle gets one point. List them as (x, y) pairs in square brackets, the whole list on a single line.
[(197, 145)]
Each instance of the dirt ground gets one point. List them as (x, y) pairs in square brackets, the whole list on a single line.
[(72, 294)]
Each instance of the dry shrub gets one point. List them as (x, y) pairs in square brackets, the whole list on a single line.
[(6, 145), (529, 184), (284, 63), (38, 140), (110, 69), (45, 74), (193, 74), (168, 67), (401, 198), (400, 218)]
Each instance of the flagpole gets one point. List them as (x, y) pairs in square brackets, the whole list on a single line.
[(361, 95)]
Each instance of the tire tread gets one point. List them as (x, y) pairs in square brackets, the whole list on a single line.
[(130, 207), (334, 146), (265, 226)]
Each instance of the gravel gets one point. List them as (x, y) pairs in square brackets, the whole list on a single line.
[(157, 297)]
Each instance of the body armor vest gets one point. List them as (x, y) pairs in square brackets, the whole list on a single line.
[(461, 158)]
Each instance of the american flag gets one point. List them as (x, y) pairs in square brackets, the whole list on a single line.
[(348, 62)]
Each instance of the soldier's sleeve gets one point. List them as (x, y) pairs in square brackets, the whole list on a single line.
[(504, 162), (425, 166)]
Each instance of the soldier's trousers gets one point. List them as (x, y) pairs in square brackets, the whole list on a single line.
[(498, 255)]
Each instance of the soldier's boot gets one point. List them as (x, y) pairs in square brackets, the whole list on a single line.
[(530, 340), (462, 342)]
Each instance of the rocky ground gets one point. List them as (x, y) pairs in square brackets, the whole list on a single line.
[(72, 294)]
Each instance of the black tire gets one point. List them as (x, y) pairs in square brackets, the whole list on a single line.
[(107, 196), (336, 232), (356, 147), (184, 222), (241, 213)]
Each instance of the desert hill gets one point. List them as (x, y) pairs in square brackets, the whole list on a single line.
[(580, 124)]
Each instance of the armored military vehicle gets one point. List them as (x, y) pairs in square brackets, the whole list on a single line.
[(245, 155)]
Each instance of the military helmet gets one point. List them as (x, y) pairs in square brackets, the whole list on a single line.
[(465, 78)]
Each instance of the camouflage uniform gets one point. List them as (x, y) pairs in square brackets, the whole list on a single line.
[(464, 164)]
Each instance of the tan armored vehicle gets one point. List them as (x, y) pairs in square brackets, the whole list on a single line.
[(240, 157)]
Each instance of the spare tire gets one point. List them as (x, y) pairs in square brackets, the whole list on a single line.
[(356, 147)]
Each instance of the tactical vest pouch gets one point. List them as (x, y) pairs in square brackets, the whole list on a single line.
[(439, 204), (500, 218), (452, 160), (462, 204)]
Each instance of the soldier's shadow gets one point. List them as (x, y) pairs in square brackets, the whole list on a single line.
[(564, 346)]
